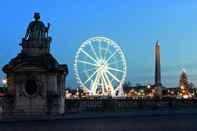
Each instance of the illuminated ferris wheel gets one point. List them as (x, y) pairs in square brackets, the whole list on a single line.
[(100, 66)]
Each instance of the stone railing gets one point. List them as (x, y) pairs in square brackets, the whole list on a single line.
[(80, 105)]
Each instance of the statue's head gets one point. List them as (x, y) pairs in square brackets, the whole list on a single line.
[(37, 16)]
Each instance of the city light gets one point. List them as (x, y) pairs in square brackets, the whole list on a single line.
[(4, 82)]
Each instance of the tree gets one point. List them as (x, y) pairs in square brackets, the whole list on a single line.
[(184, 85)]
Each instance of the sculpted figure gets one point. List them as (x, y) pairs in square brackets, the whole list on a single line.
[(36, 29)]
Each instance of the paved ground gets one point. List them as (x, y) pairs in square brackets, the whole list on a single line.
[(110, 122)]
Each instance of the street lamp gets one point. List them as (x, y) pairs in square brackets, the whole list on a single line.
[(4, 81), (148, 86)]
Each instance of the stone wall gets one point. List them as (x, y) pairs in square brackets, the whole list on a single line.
[(6, 106), (80, 105)]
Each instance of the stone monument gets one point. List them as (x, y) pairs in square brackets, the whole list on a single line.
[(158, 83), (35, 79)]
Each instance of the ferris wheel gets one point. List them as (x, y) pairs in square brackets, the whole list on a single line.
[(100, 66)]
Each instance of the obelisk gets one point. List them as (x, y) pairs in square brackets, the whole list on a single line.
[(157, 69)]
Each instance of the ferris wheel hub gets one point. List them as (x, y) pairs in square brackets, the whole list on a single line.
[(102, 65)]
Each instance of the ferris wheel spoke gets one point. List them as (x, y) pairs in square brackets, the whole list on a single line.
[(100, 50), (86, 74), (86, 71), (93, 50), (114, 69), (88, 55), (109, 58), (91, 77), (108, 80), (113, 63), (104, 81), (95, 83), (85, 62), (113, 76), (106, 50)]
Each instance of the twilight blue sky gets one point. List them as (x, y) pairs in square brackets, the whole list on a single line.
[(134, 24)]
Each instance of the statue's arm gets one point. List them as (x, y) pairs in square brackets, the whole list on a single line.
[(28, 30), (47, 29), (48, 26)]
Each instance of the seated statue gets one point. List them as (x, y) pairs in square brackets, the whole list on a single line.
[(36, 29)]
